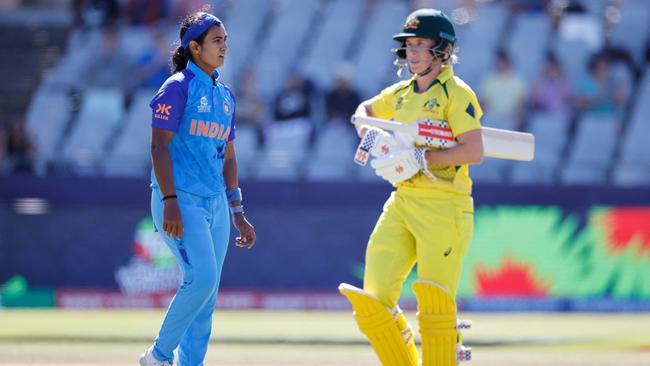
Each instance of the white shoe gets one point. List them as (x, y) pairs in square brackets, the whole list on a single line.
[(147, 359)]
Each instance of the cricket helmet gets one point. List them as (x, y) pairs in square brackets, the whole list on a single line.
[(427, 23)]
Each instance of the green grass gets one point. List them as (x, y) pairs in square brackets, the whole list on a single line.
[(254, 338)]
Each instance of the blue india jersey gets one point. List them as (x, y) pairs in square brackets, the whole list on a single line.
[(200, 110)]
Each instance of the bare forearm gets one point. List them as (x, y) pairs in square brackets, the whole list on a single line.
[(457, 155), (230, 177), (230, 173), (162, 167), (365, 110)]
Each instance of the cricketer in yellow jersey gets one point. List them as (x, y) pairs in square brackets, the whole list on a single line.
[(428, 219)]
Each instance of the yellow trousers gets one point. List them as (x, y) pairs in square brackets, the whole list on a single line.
[(430, 227)]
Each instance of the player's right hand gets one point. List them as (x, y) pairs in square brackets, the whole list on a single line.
[(378, 143), (172, 219)]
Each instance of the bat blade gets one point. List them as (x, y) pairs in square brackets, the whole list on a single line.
[(497, 143)]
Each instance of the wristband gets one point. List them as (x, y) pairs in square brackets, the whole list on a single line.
[(233, 194), (236, 209), (169, 196)]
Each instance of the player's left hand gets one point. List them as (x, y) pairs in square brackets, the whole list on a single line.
[(400, 165), (247, 237)]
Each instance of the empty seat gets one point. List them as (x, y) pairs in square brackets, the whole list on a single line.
[(332, 41), (101, 112), (530, 35), (246, 149), (373, 58), (592, 151), (284, 151), (130, 155), (630, 175), (47, 116)]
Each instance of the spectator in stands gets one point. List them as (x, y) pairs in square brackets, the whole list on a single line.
[(293, 102), (552, 92), (153, 66), (95, 13), (20, 149), (600, 91), (146, 12), (250, 106), (503, 94), (342, 100)]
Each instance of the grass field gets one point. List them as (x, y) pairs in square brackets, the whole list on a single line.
[(253, 338)]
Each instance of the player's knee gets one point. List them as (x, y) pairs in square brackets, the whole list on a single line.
[(205, 282)]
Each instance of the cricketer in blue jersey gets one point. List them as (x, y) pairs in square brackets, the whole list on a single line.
[(195, 186)]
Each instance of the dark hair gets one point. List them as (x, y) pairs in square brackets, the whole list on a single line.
[(182, 55)]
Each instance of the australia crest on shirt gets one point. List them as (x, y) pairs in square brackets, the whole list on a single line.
[(204, 105)]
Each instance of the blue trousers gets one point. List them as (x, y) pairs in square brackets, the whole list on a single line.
[(200, 253)]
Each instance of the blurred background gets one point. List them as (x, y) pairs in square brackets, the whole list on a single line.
[(569, 231)]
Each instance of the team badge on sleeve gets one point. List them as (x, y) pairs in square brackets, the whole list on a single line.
[(226, 107)]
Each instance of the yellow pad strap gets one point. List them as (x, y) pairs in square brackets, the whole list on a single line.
[(437, 318), (388, 332)]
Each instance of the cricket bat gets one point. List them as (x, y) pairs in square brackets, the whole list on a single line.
[(497, 143)]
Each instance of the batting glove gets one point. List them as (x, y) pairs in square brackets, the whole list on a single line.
[(379, 143), (401, 165)]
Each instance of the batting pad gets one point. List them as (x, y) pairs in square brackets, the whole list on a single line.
[(388, 331), (437, 318)]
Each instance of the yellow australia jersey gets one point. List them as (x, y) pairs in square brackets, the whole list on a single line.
[(448, 99)]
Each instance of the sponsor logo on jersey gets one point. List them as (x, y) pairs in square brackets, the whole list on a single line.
[(162, 111), (226, 107), (204, 105)]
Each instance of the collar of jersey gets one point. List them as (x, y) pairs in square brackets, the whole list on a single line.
[(445, 74), (202, 74)]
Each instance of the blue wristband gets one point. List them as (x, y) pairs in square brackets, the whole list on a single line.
[(233, 194), (236, 209)]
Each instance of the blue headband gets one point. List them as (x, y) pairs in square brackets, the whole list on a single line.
[(204, 23)]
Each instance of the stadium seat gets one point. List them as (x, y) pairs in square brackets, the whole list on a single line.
[(329, 48), (592, 151), (630, 175), (246, 149), (101, 113), (243, 27), (284, 151), (372, 57), (131, 154), (291, 23), (631, 31), (47, 116), (333, 153), (530, 36)]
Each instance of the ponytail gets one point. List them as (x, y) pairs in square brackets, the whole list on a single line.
[(179, 60)]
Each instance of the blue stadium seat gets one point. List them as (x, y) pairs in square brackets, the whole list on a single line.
[(372, 58), (529, 39), (131, 154), (246, 149), (592, 151), (332, 41), (101, 112), (284, 152), (332, 154), (47, 116)]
